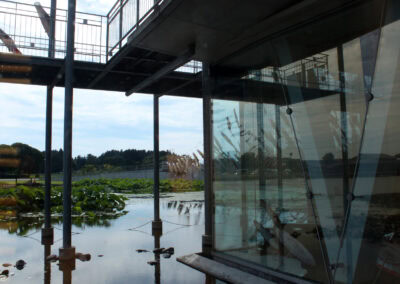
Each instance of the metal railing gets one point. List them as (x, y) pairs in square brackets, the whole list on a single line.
[(310, 72), (97, 37), (22, 23), (124, 18)]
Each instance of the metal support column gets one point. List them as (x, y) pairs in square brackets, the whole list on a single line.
[(67, 252), (207, 133), (48, 231), (157, 223)]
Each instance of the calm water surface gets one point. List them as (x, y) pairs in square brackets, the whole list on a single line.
[(183, 226)]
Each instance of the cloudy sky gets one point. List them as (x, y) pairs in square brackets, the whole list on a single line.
[(102, 120)]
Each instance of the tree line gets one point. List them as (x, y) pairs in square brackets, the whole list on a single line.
[(21, 159)]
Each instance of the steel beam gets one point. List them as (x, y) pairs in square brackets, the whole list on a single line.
[(207, 136), (168, 68), (69, 78)]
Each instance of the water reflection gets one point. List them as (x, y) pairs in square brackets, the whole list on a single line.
[(47, 264), (157, 268), (26, 223), (114, 258)]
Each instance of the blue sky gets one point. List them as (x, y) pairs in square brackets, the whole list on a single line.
[(102, 120)]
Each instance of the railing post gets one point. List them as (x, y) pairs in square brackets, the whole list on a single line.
[(120, 22), (107, 37), (137, 13)]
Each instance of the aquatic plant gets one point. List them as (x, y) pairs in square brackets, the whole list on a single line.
[(143, 185), (84, 199)]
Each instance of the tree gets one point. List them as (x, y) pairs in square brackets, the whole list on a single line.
[(31, 159)]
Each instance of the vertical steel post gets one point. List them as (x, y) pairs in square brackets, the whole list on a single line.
[(120, 22), (49, 113), (107, 37), (52, 37), (47, 232), (69, 79), (47, 166), (207, 136), (137, 13), (157, 223), (156, 160)]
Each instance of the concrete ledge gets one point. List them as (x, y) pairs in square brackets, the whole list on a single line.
[(220, 271)]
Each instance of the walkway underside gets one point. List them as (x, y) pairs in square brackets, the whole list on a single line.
[(131, 70), (44, 71)]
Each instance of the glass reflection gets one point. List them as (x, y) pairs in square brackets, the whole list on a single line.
[(306, 159)]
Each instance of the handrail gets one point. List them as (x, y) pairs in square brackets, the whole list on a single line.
[(116, 11), (98, 37), (47, 7), (23, 24)]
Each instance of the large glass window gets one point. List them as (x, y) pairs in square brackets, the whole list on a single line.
[(306, 158)]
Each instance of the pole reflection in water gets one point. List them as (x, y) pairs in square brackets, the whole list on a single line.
[(47, 264), (157, 272), (67, 276)]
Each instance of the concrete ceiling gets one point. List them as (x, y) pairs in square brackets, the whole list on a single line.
[(238, 34)]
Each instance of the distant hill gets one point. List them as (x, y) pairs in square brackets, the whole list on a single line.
[(21, 159)]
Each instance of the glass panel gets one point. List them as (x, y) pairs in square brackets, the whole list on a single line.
[(261, 210), (302, 199), (327, 119), (372, 230)]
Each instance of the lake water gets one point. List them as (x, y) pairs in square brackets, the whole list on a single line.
[(117, 241)]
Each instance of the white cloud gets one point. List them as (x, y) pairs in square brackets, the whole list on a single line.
[(101, 120)]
